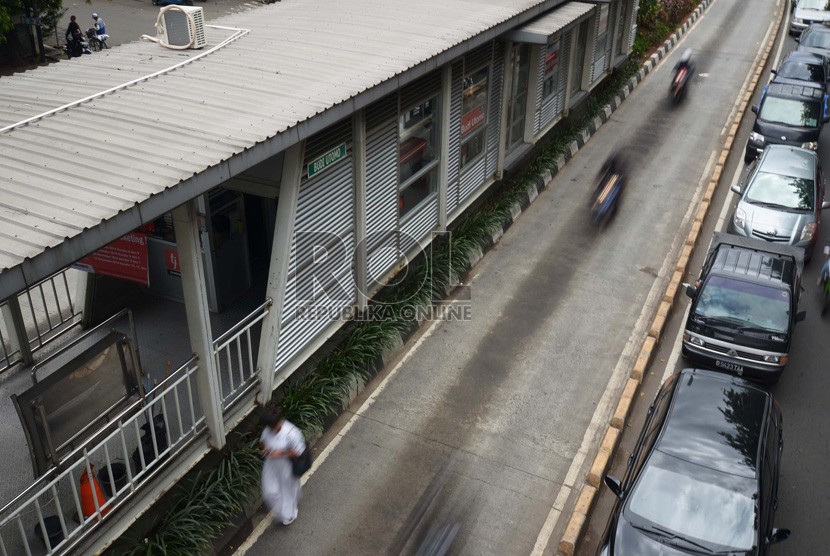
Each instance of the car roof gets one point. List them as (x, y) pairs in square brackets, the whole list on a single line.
[(787, 160), (755, 258), (801, 89), (804, 56), (715, 421)]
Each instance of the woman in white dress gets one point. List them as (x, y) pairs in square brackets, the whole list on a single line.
[(280, 441)]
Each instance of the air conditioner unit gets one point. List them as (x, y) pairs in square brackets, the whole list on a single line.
[(183, 26)]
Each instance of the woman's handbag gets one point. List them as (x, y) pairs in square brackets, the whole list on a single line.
[(301, 463)]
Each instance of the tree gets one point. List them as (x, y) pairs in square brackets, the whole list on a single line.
[(49, 11)]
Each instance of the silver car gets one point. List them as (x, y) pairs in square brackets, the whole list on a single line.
[(807, 12), (782, 199)]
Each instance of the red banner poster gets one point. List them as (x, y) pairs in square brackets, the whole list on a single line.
[(124, 258), (472, 120)]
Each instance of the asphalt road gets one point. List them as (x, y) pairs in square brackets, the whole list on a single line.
[(802, 390), (127, 20), (490, 423)]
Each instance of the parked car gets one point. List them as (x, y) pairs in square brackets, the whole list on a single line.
[(745, 306), (799, 68), (782, 198), (703, 476), (788, 114), (815, 39), (807, 12)]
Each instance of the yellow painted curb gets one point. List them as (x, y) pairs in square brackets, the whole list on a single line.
[(660, 319), (643, 359), (568, 543), (624, 405), (609, 442)]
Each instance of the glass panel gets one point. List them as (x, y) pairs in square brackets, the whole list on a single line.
[(415, 192), (419, 139), (474, 115), (551, 77)]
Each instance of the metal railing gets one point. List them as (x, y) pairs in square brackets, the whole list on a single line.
[(45, 311), (235, 356), (172, 419)]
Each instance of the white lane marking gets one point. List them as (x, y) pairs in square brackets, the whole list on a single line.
[(745, 85), (720, 226), (266, 521)]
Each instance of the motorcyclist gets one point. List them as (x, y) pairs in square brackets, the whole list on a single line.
[(100, 26), (72, 35), (614, 166), (685, 62)]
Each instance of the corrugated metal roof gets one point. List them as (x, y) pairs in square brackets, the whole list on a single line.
[(77, 179), (540, 29)]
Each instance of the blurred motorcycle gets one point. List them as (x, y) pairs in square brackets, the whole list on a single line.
[(683, 72), (608, 192)]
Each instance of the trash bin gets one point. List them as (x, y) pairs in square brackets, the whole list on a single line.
[(119, 475), (53, 530)]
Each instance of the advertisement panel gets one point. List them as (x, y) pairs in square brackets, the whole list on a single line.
[(124, 258)]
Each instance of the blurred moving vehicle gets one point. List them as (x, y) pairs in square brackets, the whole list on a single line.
[(800, 68), (787, 114), (806, 12), (745, 307), (782, 199), (703, 476), (683, 72), (607, 194)]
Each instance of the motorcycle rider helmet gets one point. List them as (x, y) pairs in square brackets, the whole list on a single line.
[(94, 15)]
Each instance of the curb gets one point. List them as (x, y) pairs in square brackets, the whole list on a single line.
[(579, 516)]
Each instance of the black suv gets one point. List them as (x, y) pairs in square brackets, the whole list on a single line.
[(703, 476), (745, 306), (789, 114)]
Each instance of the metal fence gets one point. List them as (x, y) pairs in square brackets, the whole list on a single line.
[(60, 511), (235, 354), (45, 311)]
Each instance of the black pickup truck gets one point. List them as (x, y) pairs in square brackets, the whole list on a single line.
[(744, 307)]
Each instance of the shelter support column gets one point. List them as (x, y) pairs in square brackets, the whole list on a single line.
[(194, 287), (360, 198), (18, 338), (278, 269)]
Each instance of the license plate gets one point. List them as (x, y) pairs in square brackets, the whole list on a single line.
[(730, 367)]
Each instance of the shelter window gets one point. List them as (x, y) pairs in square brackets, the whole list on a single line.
[(417, 154), (474, 116), (551, 77)]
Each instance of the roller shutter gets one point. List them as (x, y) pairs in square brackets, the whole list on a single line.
[(494, 120), (455, 136), (382, 187), (419, 224), (317, 290)]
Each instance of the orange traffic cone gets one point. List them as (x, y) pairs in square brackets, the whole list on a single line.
[(87, 501)]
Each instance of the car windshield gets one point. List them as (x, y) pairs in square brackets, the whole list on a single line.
[(815, 39), (790, 111), (785, 191), (802, 71), (745, 304), (695, 503), (815, 4)]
